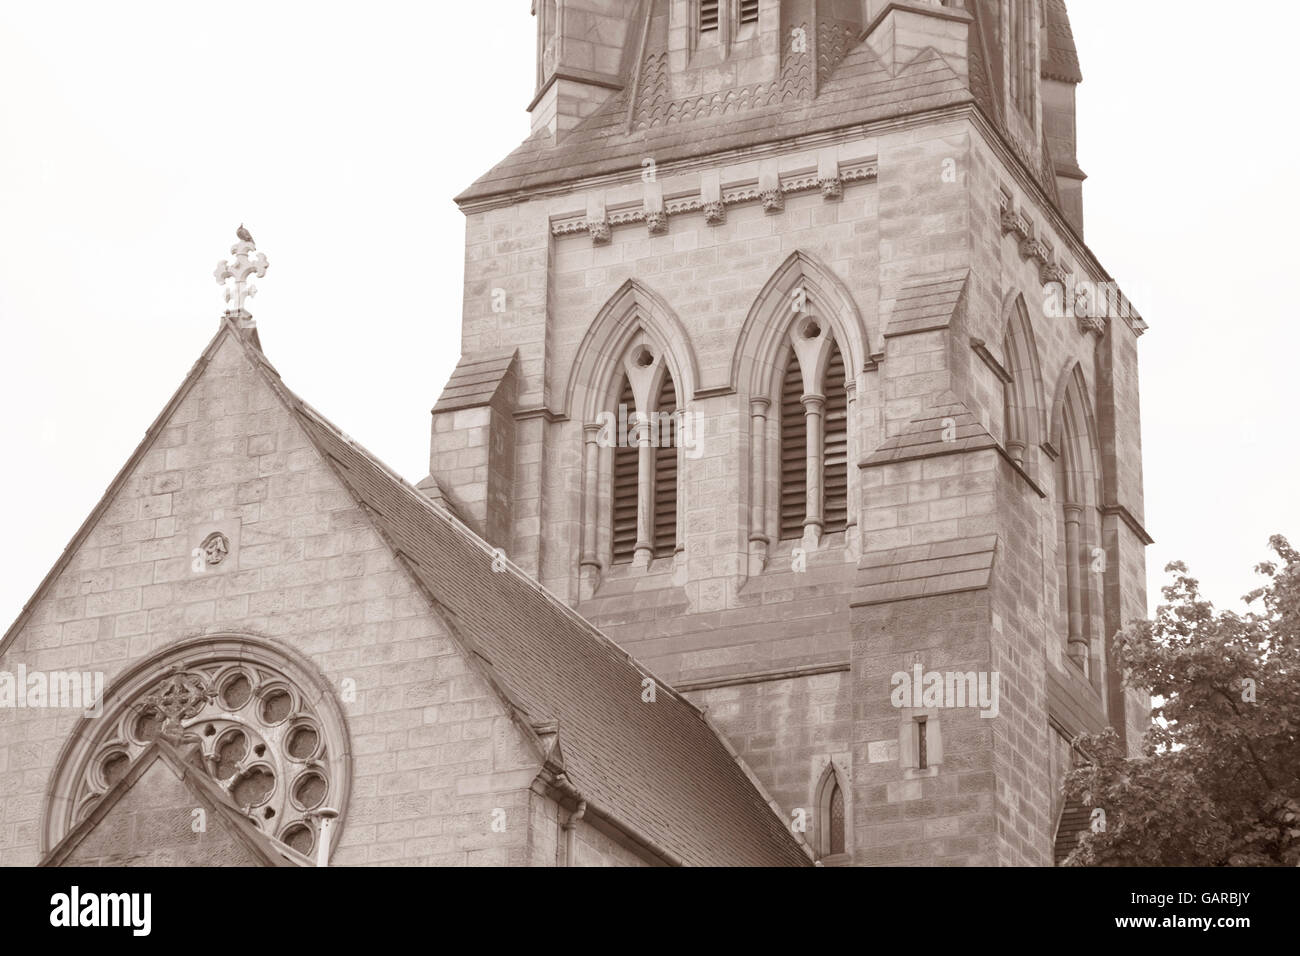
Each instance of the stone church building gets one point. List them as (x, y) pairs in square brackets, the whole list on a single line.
[(780, 508)]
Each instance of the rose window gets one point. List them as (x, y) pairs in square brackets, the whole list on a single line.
[(272, 739)]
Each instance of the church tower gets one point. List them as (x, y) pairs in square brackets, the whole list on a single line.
[(785, 363)]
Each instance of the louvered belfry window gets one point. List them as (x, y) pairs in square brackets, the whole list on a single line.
[(625, 481), (665, 512), (835, 447), (662, 428), (794, 453), (708, 15), (748, 11), (833, 454)]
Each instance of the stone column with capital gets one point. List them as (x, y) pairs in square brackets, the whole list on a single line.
[(590, 563), (813, 522), (1078, 640), (645, 531), (758, 536)]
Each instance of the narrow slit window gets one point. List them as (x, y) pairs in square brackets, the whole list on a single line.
[(625, 481), (835, 837), (794, 453), (922, 757), (835, 447), (664, 437)]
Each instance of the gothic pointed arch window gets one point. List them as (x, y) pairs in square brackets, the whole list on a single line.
[(631, 385), (831, 823), (814, 434), (643, 426), (797, 361), (1081, 556), (255, 716), (1023, 392)]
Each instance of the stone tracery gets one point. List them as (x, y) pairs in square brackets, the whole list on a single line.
[(249, 715)]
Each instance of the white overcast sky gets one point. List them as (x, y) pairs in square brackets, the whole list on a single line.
[(135, 136)]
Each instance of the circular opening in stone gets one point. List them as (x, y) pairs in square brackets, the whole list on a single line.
[(276, 706), (309, 790), (302, 742), (253, 788), (230, 750), (811, 329), (643, 358), (236, 691), (299, 836)]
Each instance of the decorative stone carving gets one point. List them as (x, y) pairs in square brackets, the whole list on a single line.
[(1050, 272), (1092, 323), (773, 200), (598, 230), (178, 697), (657, 222), (715, 213), (1032, 248), (215, 547), (1013, 222), (829, 179)]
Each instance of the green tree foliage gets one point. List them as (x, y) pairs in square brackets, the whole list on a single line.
[(1219, 780)]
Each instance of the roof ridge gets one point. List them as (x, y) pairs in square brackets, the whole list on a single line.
[(115, 485)]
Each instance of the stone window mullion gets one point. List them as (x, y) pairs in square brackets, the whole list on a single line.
[(813, 405)]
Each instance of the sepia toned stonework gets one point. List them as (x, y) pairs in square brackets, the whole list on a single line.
[(785, 371)]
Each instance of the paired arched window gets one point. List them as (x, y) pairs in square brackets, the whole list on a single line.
[(814, 435), (632, 381), (797, 360), (644, 512), (1080, 554)]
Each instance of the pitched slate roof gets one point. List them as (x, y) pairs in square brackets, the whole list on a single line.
[(928, 302), (659, 769), (1060, 59), (476, 380), (947, 428), (925, 570), (859, 90), (642, 119)]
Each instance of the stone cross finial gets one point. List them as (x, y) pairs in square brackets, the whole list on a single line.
[(247, 262), (176, 698)]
